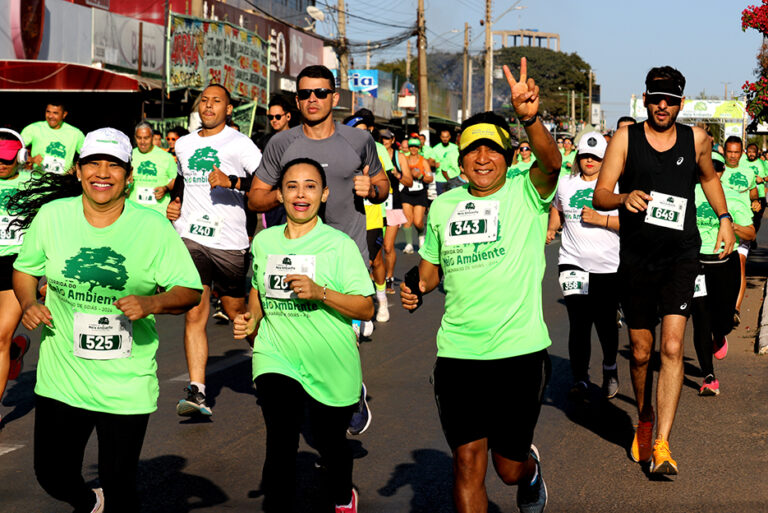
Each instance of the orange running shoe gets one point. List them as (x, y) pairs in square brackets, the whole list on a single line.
[(642, 443), (662, 462)]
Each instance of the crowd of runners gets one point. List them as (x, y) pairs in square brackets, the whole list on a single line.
[(291, 238)]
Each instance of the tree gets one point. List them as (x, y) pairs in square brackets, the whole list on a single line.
[(97, 266), (756, 17)]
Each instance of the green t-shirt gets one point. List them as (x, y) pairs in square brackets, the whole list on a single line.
[(88, 269), (492, 289), (707, 220), (156, 168), (760, 169), (448, 157), (10, 236), (520, 168), (307, 340), (740, 178), (57, 147), (567, 162)]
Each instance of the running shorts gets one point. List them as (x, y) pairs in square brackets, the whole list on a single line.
[(495, 399), (649, 295), (417, 199), (223, 269), (6, 272), (743, 247), (375, 240), (396, 217)]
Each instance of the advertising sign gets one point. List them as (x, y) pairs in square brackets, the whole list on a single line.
[(116, 43), (305, 51), (697, 109), (203, 51), (364, 81)]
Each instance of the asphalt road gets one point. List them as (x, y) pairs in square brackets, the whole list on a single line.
[(402, 462)]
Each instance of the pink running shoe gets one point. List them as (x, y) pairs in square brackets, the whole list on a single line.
[(721, 348), (352, 507), (711, 386)]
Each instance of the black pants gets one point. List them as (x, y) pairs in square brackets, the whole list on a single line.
[(713, 314), (598, 307), (282, 401), (61, 434)]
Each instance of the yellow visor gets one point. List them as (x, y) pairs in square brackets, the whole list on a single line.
[(487, 131)]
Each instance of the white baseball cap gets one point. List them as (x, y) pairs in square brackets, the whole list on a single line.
[(592, 143), (107, 141)]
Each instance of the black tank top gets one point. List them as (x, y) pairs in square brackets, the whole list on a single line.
[(673, 172), (397, 203)]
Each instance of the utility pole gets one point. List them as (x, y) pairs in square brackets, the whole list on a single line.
[(488, 58), (343, 52), (725, 94), (573, 113), (423, 92), (589, 103), (465, 64), (368, 55), (470, 64), (408, 59)]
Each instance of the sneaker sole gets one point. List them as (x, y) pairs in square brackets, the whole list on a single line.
[(666, 468), (708, 392), (188, 409), (368, 422)]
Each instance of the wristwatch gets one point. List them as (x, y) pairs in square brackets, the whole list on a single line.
[(725, 216), (232, 181)]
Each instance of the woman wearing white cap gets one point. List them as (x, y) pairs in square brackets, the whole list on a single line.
[(588, 263), (97, 366)]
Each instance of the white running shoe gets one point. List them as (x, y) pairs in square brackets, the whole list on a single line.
[(366, 328), (421, 241), (383, 314), (408, 249)]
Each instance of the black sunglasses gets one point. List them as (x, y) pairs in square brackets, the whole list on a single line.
[(321, 93), (525, 148), (656, 98), (274, 116)]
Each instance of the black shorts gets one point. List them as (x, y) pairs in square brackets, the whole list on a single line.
[(495, 399), (648, 295), (375, 239), (417, 199), (6, 272), (223, 269)]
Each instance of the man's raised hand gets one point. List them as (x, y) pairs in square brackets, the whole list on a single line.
[(525, 92)]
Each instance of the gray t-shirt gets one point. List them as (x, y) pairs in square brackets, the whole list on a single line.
[(342, 155)]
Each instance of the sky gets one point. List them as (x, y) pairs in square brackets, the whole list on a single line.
[(621, 40)]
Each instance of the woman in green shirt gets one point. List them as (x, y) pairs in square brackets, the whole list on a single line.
[(309, 282), (105, 259)]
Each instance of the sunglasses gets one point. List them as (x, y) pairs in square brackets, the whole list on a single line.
[(321, 93), (656, 98), (525, 148), (274, 116), (171, 138)]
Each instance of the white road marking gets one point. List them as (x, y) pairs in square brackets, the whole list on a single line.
[(6, 448)]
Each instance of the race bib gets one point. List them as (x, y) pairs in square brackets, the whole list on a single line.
[(388, 205), (473, 222), (102, 337), (574, 282), (53, 164), (9, 235), (146, 195), (205, 228), (700, 289), (666, 211), (278, 266), (416, 187)]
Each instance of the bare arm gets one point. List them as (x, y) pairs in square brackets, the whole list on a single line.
[(262, 196), (349, 305), (247, 325), (175, 301), (555, 223), (753, 194), (428, 176), (745, 232), (34, 313), (406, 177)]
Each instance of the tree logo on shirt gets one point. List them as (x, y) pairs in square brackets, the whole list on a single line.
[(5, 195), (56, 149), (582, 198), (705, 212), (738, 180), (97, 266), (147, 168), (204, 159)]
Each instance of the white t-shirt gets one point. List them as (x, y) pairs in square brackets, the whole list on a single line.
[(214, 217), (595, 249)]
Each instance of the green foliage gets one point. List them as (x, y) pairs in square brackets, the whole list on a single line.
[(97, 266)]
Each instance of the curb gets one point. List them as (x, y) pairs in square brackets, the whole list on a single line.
[(762, 337)]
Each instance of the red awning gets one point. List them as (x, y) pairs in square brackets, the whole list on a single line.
[(21, 75)]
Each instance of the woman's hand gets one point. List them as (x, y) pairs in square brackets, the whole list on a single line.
[(35, 314), (244, 326), (303, 287), (136, 307)]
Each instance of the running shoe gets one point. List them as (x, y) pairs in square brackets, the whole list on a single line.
[(194, 404), (579, 392), (390, 285), (710, 386), (408, 249), (610, 383), (662, 462), (762, 347), (351, 507), (532, 497), (642, 449), (99, 506), (361, 419), (382, 315), (19, 347), (720, 349), (366, 328), (421, 241), (218, 313), (736, 318)]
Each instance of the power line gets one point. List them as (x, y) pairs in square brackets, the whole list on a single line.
[(366, 19)]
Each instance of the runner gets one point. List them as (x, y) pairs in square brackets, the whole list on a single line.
[(414, 198), (400, 175), (656, 164), (104, 258), (568, 153), (446, 157), (741, 178), (52, 143), (279, 118), (522, 161), (487, 238), (349, 156), (311, 281), (761, 174), (157, 138), (173, 135), (588, 265), (155, 171), (12, 178), (718, 284), (625, 121), (216, 166)]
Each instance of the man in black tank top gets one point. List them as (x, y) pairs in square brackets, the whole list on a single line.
[(656, 164)]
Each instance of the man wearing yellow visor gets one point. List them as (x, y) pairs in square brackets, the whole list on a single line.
[(487, 238)]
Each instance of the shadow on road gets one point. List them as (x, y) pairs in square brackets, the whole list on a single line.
[(430, 476), (237, 377), (20, 396)]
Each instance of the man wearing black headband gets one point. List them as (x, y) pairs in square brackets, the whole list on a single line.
[(657, 164)]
